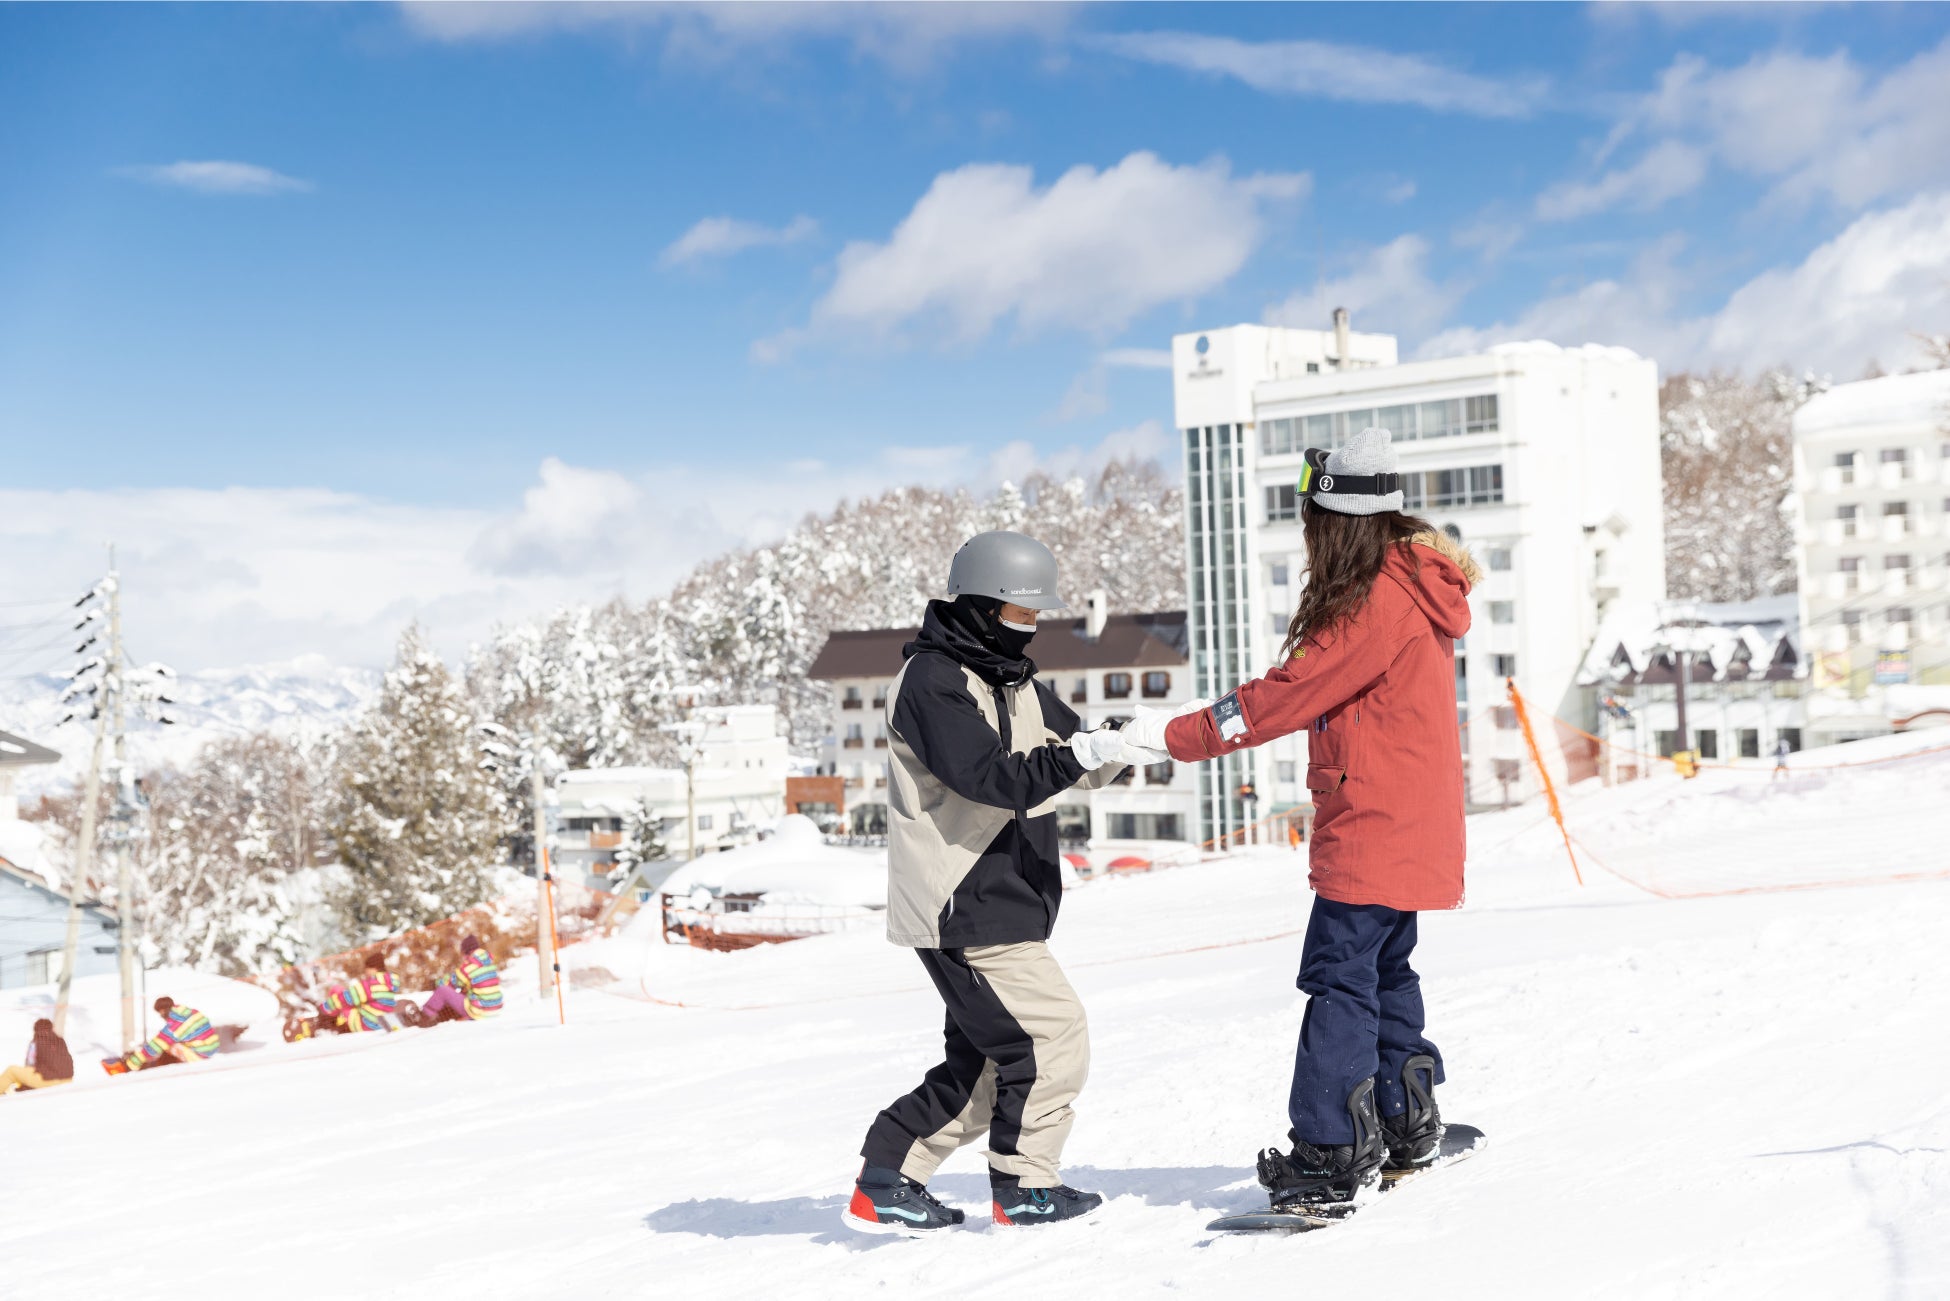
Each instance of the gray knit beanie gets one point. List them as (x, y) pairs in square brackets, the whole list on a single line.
[(1368, 452)]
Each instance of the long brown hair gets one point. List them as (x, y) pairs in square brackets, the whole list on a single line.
[(1344, 557)]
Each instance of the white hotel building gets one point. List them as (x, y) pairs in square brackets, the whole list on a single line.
[(1544, 461), (1872, 481)]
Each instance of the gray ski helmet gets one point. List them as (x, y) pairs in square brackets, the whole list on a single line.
[(1008, 567)]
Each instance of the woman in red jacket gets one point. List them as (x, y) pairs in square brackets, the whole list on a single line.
[(1369, 669)]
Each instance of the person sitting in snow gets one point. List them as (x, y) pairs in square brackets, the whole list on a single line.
[(1369, 671), (48, 1062), (368, 1003), (186, 1036), (980, 749), (472, 993)]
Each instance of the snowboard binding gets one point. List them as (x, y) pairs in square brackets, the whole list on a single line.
[(1313, 1179)]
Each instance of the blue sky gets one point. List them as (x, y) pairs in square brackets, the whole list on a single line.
[(342, 282)]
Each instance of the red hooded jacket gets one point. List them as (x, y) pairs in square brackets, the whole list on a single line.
[(1385, 761)]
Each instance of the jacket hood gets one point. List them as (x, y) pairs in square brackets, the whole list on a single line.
[(959, 631), (1438, 578)]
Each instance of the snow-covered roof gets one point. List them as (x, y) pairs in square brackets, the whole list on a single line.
[(1734, 640), (795, 863), (1893, 400), (1545, 348)]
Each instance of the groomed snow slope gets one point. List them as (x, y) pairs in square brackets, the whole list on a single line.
[(1724, 1096)]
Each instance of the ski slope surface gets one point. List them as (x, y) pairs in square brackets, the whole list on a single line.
[(1737, 1091)]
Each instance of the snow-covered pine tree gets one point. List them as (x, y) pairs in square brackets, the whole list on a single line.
[(1726, 452), (643, 841), (416, 821), (227, 833)]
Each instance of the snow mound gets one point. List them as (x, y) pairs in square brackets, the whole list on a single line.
[(795, 864), (1893, 401)]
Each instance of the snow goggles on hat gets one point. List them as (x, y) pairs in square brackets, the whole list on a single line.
[(1314, 478)]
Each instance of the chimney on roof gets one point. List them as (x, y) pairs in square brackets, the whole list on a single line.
[(1096, 609), (1340, 339)]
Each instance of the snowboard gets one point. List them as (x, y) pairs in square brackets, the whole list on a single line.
[(1459, 1143)]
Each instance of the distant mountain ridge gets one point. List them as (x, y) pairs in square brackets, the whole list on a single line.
[(304, 697)]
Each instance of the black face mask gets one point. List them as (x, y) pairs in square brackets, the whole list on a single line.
[(1010, 642)]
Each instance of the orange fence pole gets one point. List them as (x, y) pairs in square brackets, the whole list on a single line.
[(554, 936), (1550, 789)]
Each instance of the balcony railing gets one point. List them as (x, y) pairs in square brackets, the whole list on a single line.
[(854, 743), (853, 703)]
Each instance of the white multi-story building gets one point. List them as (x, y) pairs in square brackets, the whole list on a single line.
[(1543, 460), (738, 782), (1102, 665), (1872, 481)]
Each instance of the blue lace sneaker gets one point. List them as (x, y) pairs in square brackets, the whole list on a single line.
[(1021, 1206), (885, 1201)]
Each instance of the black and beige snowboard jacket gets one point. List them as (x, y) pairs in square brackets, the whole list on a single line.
[(977, 757)]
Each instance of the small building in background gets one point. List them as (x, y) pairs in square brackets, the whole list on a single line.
[(1872, 484), (738, 783), (1102, 665), (1744, 671), (33, 911)]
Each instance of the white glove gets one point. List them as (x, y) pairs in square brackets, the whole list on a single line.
[(1095, 749), (1147, 729), (1139, 757)]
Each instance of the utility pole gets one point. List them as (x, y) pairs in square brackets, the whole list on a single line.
[(112, 679), (84, 862)]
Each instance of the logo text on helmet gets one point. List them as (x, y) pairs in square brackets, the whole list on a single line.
[(1025, 591)]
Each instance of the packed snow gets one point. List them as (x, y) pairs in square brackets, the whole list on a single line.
[(1731, 1095)]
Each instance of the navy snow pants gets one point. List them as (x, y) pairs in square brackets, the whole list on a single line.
[(1364, 1017)]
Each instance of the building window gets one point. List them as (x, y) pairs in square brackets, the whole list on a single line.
[(850, 699), (1504, 666), (1158, 774), (1667, 743), (1504, 716), (1157, 683), (1898, 457), (1282, 503), (1117, 686), (1845, 467), (1792, 735), (1481, 415), (1850, 568), (1279, 573), (1503, 611), (1898, 511), (1277, 438), (1080, 691), (1852, 626), (880, 697), (1499, 559), (1143, 826), (1749, 742), (854, 738), (1895, 572), (1478, 485), (1849, 516), (1462, 678), (704, 822), (1706, 742), (1898, 616), (40, 966)]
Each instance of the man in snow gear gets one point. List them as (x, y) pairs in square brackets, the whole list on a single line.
[(186, 1036), (979, 751), (1369, 674), (472, 993), (48, 1062)]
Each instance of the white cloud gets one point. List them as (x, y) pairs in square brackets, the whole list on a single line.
[(906, 37), (1089, 393), (1855, 298), (1669, 169), (221, 577), (1387, 288), (1322, 70), (215, 176), (715, 237), (1090, 251), (1812, 127), (1017, 460)]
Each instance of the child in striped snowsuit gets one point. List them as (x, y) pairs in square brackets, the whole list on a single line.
[(472, 993), (367, 1004), (186, 1036)]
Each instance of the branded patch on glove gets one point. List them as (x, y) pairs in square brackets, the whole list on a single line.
[(1229, 718)]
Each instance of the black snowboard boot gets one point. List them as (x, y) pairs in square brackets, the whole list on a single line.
[(886, 1201), (1415, 1137), (1016, 1205), (1327, 1176)]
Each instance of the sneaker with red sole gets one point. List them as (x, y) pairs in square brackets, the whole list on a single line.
[(1019, 1207), (885, 1201)]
